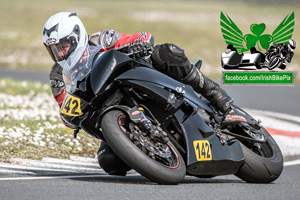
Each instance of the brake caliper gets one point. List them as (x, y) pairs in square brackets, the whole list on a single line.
[(154, 132)]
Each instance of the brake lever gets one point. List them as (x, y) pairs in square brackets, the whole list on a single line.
[(76, 132)]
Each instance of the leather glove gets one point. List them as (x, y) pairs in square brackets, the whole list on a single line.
[(138, 49)]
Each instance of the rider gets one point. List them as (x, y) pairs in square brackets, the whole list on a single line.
[(278, 54), (64, 35)]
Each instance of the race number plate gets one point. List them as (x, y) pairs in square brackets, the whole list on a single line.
[(202, 150), (71, 106)]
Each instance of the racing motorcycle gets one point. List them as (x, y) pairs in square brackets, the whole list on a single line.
[(160, 127)]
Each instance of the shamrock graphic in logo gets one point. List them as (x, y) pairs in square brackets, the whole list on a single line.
[(258, 39), (233, 35)]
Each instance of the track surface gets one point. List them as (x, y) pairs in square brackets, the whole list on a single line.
[(79, 181)]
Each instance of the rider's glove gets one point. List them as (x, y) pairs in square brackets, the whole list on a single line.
[(139, 48)]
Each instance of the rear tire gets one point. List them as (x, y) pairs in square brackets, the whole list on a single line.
[(258, 66), (155, 171), (263, 168)]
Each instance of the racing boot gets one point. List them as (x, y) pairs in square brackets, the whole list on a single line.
[(171, 60), (209, 89)]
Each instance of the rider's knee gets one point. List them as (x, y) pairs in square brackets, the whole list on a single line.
[(171, 60), (110, 162)]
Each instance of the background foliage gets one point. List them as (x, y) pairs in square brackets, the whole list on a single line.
[(193, 25)]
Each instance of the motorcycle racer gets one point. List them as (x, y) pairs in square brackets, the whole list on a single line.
[(277, 54), (65, 36)]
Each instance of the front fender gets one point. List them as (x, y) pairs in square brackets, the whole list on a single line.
[(115, 107), (133, 113)]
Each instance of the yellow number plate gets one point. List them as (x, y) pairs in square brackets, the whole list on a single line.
[(202, 150), (71, 106)]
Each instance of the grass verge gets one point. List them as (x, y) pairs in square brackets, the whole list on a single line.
[(30, 125)]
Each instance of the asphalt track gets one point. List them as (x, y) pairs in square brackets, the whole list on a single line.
[(277, 105), (54, 179)]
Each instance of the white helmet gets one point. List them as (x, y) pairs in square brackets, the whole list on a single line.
[(292, 45), (63, 35)]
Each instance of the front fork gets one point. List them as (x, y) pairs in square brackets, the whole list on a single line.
[(138, 116)]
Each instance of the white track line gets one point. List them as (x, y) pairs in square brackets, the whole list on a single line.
[(61, 177), (289, 163)]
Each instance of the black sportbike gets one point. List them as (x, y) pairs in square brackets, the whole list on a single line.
[(160, 127)]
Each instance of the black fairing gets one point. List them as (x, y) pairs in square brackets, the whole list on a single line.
[(104, 68), (159, 85), (226, 159)]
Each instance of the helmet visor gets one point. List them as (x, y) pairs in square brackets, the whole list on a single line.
[(59, 51), (65, 46)]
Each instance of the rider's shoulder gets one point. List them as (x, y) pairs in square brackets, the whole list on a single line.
[(56, 71), (56, 67), (106, 38)]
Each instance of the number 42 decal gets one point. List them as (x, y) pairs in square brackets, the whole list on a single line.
[(71, 106), (202, 150)]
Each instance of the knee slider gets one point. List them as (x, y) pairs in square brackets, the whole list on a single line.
[(172, 53), (168, 53), (171, 60), (175, 50), (110, 162)]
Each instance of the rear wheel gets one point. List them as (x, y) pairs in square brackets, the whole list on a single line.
[(258, 66), (263, 161), (160, 163)]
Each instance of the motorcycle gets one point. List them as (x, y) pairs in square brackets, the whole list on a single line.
[(160, 127)]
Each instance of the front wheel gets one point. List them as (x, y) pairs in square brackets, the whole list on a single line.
[(160, 163)]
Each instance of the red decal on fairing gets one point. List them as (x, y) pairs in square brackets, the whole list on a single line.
[(235, 118), (136, 112)]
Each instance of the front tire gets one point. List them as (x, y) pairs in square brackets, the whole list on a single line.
[(115, 128)]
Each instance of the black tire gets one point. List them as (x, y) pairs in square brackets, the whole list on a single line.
[(263, 164), (135, 158), (258, 66)]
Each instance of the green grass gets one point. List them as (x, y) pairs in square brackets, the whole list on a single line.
[(23, 135), (11, 86), (193, 25), (56, 143)]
